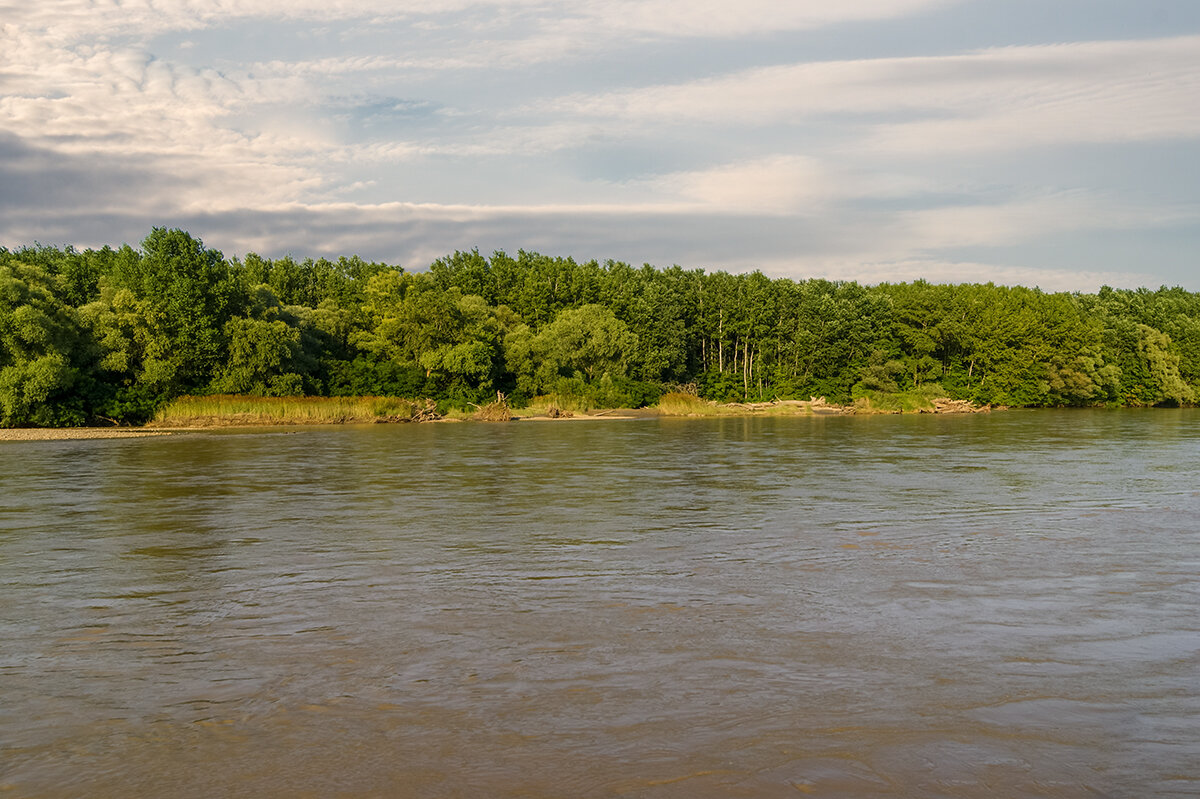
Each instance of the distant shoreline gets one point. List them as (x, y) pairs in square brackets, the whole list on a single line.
[(733, 411), (693, 409)]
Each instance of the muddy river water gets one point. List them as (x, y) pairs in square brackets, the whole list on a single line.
[(973, 606)]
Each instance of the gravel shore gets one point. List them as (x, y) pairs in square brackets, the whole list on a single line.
[(69, 433)]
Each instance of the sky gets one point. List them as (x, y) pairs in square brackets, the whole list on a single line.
[(1051, 143)]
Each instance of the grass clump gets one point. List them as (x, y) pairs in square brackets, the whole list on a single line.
[(680, 404), (913, 401), (565, 403)]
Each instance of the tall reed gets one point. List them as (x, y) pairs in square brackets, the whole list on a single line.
[(231, 410)]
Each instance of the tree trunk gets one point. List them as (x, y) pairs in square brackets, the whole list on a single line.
[(746, 370), (721, 342)]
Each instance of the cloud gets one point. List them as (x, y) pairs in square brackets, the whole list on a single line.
[(864, 168), (1025, 219), (121, 105), (1000, 98), (722, 19), (782, 184), (66, 20), (898, 246), (38, 181)]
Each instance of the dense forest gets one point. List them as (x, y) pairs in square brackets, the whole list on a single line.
[(109, 335)]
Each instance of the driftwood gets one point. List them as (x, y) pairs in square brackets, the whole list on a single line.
[(947, 405), (497, 411), (754, 406), (427, 414), (819, 405), (814, 404)]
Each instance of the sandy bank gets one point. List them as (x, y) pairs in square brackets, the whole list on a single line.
[(611, 414), (72, 433)]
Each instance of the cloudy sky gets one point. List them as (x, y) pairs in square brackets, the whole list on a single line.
[(1037, 142)]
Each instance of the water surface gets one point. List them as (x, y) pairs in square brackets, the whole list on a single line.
[(921, 606)]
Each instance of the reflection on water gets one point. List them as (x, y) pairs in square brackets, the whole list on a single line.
[(889, 606)]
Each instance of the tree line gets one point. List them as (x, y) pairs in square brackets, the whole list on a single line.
[(111, 334)]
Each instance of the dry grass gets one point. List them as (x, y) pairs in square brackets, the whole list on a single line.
[(918, 400), (541, 404), (226, 410), (679, 404)]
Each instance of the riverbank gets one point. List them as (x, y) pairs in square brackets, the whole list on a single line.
[(203, 413), (689, 405)]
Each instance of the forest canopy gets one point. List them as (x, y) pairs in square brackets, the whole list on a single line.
[(111, 334)]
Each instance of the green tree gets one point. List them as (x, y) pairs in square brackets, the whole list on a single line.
[(265, 351), (41, 348), (588, 342), (1165, 384), (188, 293)]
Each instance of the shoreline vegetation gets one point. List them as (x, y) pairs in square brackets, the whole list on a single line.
[(118, 336), (247, 411), (188, 414)]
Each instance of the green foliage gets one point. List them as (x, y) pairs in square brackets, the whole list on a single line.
[(41, 348), (134, 363), (186, 293), (584, 351), (883, 373), (720, 386), (261, 354), (369, 375), (1164, 385), (588, 341), (1084, 379), (455, 339)]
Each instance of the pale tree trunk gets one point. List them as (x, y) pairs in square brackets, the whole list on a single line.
[(721, 342), (746, 370)]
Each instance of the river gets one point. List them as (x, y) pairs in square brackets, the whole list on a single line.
[(916, 606)]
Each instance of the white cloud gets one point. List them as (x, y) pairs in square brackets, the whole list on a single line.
[(773, 185), (782, 185), (1025, 219), (994, 99), (116, 102), (68, 20), (720, 18)]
